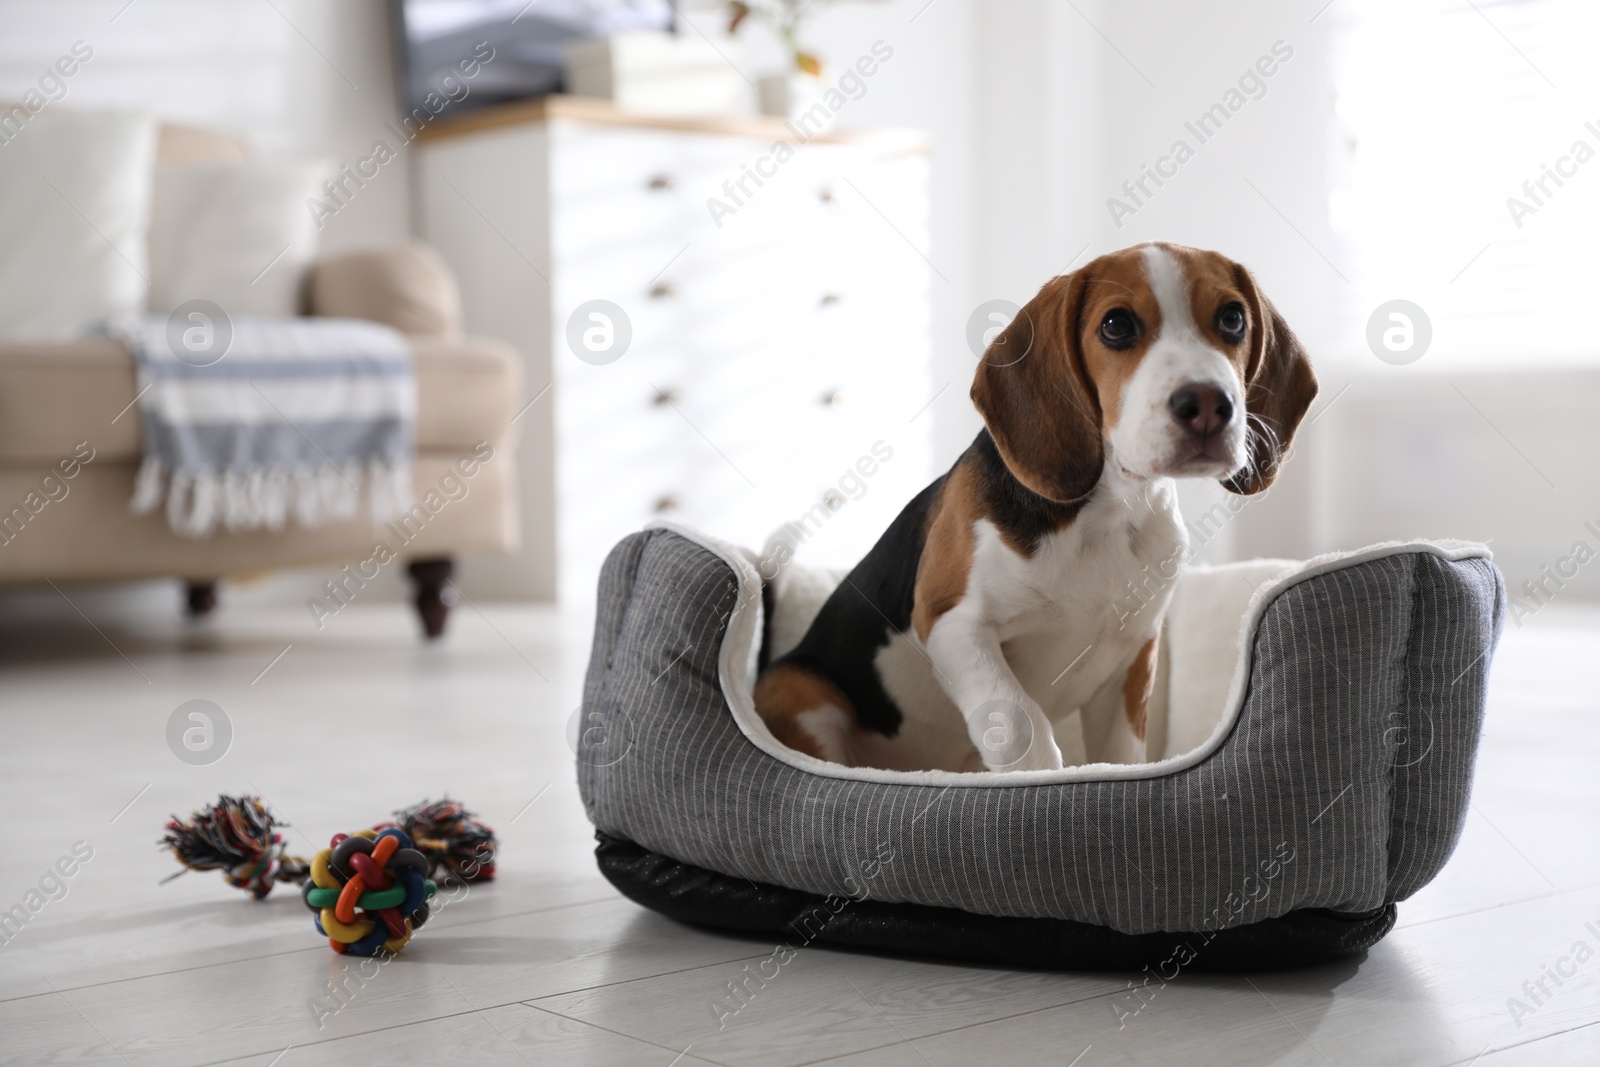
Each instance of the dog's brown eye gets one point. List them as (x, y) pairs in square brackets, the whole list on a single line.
[(1119, 329), (1230, 322)]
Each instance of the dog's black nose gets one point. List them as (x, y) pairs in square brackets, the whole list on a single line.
[(1201, 409)]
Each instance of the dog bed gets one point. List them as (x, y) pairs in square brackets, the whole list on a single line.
[(1319, 723)]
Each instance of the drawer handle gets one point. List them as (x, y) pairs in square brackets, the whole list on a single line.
[(830, 299), (667, 503), (664, 397), (833, 499), (663, 291), (833, 398), (660, 183)]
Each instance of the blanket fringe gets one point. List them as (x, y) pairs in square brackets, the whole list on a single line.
[(148, 486), (260, 498)]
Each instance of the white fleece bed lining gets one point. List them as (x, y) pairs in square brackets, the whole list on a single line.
[(736, 670)]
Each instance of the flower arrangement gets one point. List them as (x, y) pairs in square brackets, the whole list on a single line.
[(786, 19)]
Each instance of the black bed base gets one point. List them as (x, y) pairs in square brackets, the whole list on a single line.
[(705, 898)]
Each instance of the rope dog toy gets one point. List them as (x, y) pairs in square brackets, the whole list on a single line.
[(451, 837), (239, 837), (236, 836), (379, 873)]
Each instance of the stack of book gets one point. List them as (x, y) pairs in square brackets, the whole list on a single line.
[(658, 73)]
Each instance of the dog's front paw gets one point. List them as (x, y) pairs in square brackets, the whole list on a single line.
[(1014, 738), (1042, 755)]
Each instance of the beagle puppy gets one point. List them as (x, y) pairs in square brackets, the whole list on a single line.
[(1012, 611)]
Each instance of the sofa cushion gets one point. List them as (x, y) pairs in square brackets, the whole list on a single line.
[(236, 234), (73, 220), (56, 394), (405, 286), (179, 144)]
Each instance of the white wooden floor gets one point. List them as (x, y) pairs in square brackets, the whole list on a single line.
[(548, 965)]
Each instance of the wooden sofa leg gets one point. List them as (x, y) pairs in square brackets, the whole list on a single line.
[(430, 577), (199, 598)]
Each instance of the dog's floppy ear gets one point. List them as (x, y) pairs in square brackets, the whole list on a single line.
[(1279, 387), (1033, 392)]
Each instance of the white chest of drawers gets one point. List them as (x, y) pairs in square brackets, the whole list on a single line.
[(778, 359)]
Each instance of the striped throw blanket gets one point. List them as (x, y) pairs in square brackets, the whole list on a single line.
[(284, 418)]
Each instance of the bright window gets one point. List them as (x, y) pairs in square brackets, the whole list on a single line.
[(1443, 111)]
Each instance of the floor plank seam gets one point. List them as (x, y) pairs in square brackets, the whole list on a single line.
[(1495, 1051), (641, 978), (853, 1052), (970, 1026), (469, 1011), (347, 1037), (289, 952), (1494, 907), (619, 1033)]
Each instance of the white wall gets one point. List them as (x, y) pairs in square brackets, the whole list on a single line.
[(1077, 98), (1256, 190), (304, 77)]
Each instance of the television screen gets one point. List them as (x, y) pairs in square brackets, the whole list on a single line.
[(512, 48)]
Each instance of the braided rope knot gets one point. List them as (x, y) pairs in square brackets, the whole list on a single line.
[(260, 874), (459, 846), (236, 836), (369, 890)]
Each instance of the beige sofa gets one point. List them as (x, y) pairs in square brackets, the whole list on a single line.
[(70, 447)]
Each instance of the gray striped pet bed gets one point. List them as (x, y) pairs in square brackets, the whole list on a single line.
[(1332, 783)]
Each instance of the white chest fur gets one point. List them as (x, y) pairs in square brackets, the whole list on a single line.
[(1069, 618), (1072, 616)]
